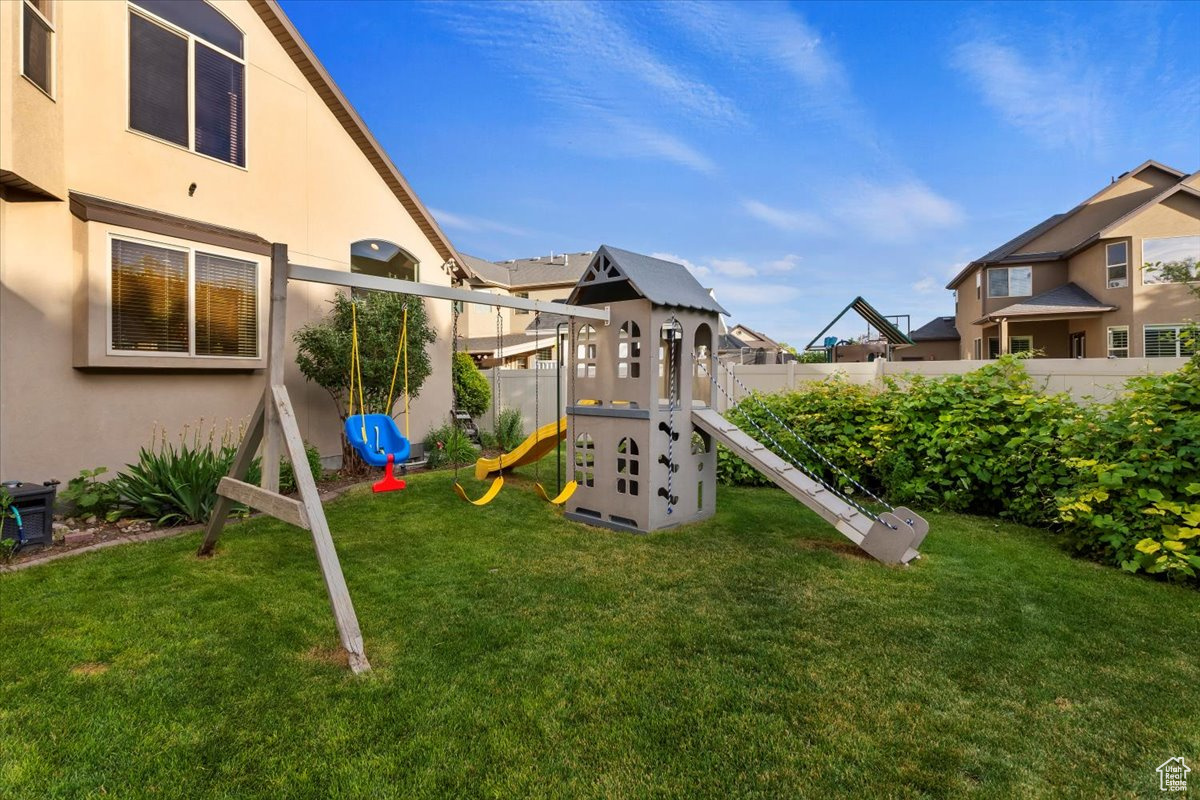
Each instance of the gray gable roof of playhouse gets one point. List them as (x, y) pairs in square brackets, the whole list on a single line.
[(663, 283)]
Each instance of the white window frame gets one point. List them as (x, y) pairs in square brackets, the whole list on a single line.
[(1113, 351), (191, 38), (1011, 339), (1179, 328), (1108, 267), (190, 250), (1009, 270), (978, 352), (1164, 283), (53, 91), (979, 284)]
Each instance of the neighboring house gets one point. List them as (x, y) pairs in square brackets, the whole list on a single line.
[(525, 340), (936, 340), (1073, 285), (743, 345), (150, 153)]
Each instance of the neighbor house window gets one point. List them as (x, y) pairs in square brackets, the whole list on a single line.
[(1010, 282), (1116, 259), (523, 296), (187, 78), (1118, 341), (1169, 341), (175, 300), (1016, 344), (1179, 251), (978, 349), (978, 283), (37, 43)]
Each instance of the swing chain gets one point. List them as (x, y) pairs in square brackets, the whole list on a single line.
[(457, 429)]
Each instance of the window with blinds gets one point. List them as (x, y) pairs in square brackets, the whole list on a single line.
[(1169, 341), (178, 301), (226, 307), (187, 78), (37, 44), (149, 298)]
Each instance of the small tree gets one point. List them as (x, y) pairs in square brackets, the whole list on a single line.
[(1186, 272), (472, 393), (325, 348)]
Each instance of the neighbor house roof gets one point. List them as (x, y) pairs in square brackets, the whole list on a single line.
[(529, 273), (663, 283), (510, 343), (1099, 217), (762, 337), (293, 43), (1066, 300), (938, 329)]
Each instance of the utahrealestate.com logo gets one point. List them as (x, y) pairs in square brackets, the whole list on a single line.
[(1172, 775)]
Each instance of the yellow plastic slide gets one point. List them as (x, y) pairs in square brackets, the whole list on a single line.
[(539, 444)]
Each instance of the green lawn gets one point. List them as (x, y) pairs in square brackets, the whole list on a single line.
[(516, 654)]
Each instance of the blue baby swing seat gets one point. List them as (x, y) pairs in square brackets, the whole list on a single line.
[(381, 446)]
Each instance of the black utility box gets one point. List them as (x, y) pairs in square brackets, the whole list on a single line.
[(35, 503)]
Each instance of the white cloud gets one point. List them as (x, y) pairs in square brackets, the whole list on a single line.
[(462, 222), (733, 268), (784, 219), (617, 137), (755, 294), (926, 285), (785, 264), (896, 212), (1055, 97)]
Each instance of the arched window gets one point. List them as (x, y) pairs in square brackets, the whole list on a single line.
[(627, 466), (585, 460), (585, 352), (383, 259), (700, 444), (669, 354), (702, 365), (629, 351)]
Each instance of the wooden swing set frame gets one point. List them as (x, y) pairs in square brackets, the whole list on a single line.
[(273, 425)]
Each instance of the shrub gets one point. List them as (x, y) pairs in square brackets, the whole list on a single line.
[(287, 477), (985, 442), (472, 392), (85, 495), (1134, 497), (510, 429), (448, 445), (174, 485)]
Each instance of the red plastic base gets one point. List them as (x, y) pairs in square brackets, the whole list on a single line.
[(389, 482)]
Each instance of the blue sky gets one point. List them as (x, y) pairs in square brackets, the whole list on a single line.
[(792, 155)]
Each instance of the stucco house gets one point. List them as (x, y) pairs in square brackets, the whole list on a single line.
[(150, 152), (1073, 285), (526, 341), (936, 340)]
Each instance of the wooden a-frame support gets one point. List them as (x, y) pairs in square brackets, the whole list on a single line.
[(274, 423)]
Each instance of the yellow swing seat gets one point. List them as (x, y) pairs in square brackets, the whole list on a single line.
[(488, 496), (563, 496)]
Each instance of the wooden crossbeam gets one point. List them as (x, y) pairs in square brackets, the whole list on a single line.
[(270, 503)]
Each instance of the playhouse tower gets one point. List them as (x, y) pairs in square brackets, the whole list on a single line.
[(639, 462)]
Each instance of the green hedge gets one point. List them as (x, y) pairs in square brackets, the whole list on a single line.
[(1120, 482)]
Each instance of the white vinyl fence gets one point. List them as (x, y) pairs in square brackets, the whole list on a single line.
[(1088, 380)]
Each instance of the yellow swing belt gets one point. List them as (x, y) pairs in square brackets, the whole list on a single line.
[(488, 496)]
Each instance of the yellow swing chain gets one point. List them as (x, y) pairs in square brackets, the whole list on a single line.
[(356, 368), (402, 348)]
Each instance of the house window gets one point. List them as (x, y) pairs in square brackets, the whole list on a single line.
[(585, 460), (1010, 282), (629, 350), (523, 296), (1169, 341), (173, 300), (1118, 341), (585, 352), (1016, 344), (1181, 252), (627, 467), (1116, 259), (978, 350), (187, 78), (978, 284), (37, 44), (384, 260)]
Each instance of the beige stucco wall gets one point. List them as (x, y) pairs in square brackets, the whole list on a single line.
[(947, 350), (306, 184)]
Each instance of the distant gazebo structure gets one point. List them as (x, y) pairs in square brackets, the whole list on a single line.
[(639, 462)]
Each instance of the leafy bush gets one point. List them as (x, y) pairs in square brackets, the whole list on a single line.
[(448, 445), (85, 495), (510, 429), (472, 392), (287, 477), (1134, 498), (174, 485)]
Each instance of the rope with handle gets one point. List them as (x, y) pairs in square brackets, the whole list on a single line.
[(784, 453), (671, 392), (821, 456)]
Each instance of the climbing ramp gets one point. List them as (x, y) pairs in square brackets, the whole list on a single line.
[(891, 537), (537, 445)]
